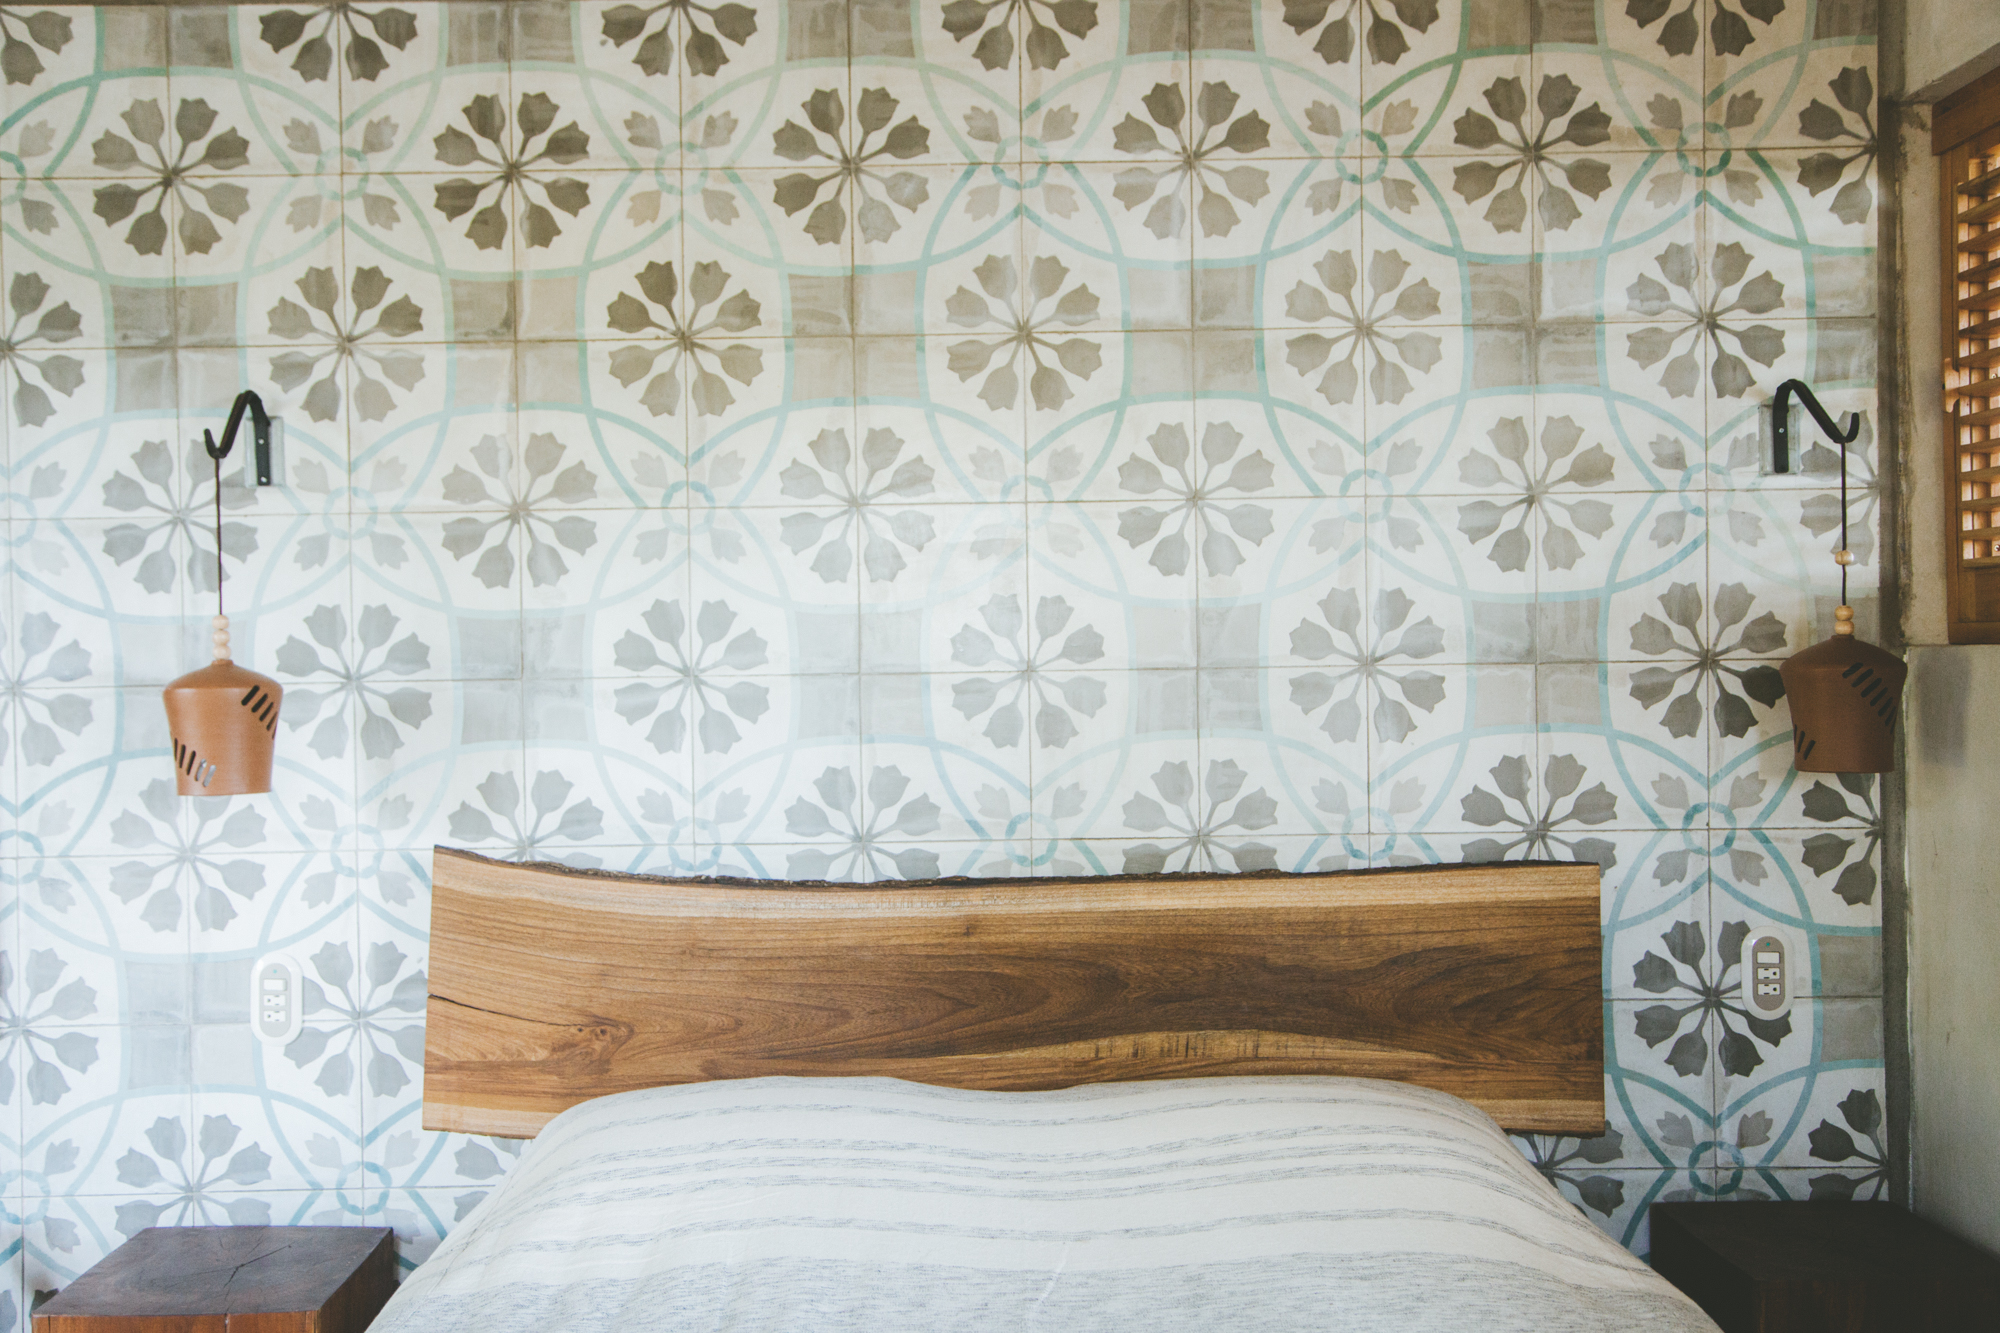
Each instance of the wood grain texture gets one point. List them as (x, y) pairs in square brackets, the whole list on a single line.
[(1964, 114), (550, 986), (231, 1280)]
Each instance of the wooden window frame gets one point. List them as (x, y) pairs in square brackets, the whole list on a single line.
[(1965, 136)]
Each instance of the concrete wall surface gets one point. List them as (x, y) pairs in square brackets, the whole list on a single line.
[(1939, 36), (1952, 846), (1954, 876)]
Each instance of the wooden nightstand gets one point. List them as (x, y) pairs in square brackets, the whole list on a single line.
[(231, 1280), (1824, 1268)]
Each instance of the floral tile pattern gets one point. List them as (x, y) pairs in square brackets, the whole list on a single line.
[(880, 439)]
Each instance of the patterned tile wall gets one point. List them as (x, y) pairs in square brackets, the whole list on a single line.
[(893, 438)]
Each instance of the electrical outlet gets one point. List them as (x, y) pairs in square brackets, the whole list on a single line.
[(274, 999), (1773, 969)]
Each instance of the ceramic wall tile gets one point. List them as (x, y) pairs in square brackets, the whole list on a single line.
[(864, 441)]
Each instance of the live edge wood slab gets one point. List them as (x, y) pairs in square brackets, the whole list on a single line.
[(231, 1280), (550, 986)]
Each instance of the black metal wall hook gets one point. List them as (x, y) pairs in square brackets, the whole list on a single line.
[(1781, 424), (260, 433)]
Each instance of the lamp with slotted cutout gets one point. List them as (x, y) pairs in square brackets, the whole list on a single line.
[(1845, 693), (223, 718)]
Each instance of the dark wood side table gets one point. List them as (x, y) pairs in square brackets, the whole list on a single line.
[(1824, 1268), (231, 1280)]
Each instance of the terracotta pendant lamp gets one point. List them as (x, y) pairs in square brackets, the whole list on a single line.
[(1845, 693), (224, 718)]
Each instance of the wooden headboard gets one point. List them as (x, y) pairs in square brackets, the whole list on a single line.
[(550, 986)]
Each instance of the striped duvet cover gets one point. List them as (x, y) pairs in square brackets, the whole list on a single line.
[(878, 1206)]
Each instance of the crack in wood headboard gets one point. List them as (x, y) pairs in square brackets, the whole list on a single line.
[(550, 986)]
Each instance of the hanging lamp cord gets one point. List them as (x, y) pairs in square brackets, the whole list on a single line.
[(217, 459), (1780, 424), (261, 424), (1843, 523)]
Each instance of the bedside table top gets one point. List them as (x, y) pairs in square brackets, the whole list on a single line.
[(220, 1271), (1826, 1267), (1779, 1241)]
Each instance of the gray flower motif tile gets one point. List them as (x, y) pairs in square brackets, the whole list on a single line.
[(1784, 57), (40, 1267), (1591, 254), (1367, 680), (44, 372), (681, 661), (1840, 121), (52, 1052), (1206, 826), (317, 46), (1796, 1084), (511, 158), (1334, 297), (1637, 1190), (1824, 888), (660, 41), (1017, 333), (524, 825), (359, 348), (1041, 686), (849, 816), (360, 1025), (866, 441), (1481, 737), (1665, 1102), (1488, 42), (1569, 43), (49, 48), (1705, 304), (1107, 73), (178, 1169), (1523, 143)]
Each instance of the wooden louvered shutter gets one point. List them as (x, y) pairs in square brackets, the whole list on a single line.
[(1965, 133)]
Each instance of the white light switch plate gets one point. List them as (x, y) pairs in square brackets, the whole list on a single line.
[(274, 999), (1775, 969)]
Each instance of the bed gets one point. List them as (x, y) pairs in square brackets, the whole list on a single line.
[(1161, 1103)]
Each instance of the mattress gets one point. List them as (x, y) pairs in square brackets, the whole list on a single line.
[(868, 1205)]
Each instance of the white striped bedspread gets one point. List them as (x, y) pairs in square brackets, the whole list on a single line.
[(878, 1206)]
